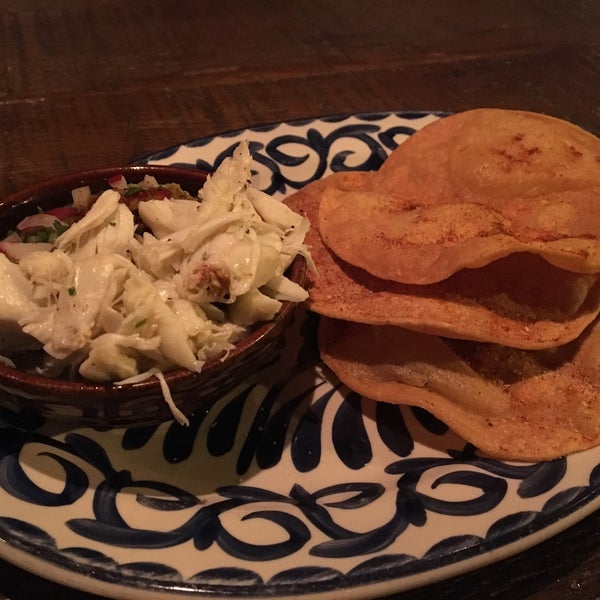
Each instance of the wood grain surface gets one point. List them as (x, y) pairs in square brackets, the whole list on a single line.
[(103, 82)]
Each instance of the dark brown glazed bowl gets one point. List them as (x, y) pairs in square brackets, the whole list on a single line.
[(105, 405)]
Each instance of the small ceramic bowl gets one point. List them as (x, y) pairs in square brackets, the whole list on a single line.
[(84, 403)]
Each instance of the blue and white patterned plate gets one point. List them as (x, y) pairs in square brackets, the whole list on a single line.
[(291, 486)]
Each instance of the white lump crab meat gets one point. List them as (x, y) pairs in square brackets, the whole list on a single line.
[(118, 305)]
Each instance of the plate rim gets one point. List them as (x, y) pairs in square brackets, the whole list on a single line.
[(80, 581), (562, 519)]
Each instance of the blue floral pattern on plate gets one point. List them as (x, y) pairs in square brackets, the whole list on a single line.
[(291, 485)]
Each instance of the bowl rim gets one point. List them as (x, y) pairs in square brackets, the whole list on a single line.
[(13, 379), (29, 192)]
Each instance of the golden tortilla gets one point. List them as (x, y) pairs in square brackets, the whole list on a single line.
[(470, 189), (520, 301), (511, 404)]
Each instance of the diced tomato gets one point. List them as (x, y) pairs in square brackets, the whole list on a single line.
[(118, 182), (134, 199), (154, 194), (67, 214)]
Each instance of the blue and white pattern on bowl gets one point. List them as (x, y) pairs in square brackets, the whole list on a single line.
[(289, 486)]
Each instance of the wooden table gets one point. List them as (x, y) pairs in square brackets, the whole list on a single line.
[(91, 83)]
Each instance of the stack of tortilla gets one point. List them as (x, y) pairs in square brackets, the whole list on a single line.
[(463, 278)]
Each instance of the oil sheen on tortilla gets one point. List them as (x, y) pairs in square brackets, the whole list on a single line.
[(520, 301), (467, 190), (511, 404)]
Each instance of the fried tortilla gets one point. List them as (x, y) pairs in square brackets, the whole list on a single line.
[(470, 189), (511, 404), (521, 301)]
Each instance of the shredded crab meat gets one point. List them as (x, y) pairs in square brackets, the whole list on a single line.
[(150, 278)]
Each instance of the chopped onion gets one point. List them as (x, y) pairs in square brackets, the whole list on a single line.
[(37, 221), (118, 182), (149, 182), (81, 198)]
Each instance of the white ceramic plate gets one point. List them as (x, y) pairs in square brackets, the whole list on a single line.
[(292, 486)]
